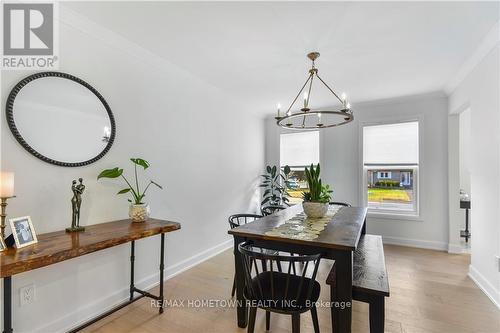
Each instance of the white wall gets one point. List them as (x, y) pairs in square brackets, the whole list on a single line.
[(341, 162), (190, 133), (456, 215), (465, 138), (480, 92)]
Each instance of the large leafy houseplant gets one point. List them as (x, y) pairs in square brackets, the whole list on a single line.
[(275, 184), (317, 200), (139, 211)]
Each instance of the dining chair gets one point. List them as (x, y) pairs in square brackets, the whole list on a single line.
[(237, 220), (271, 209), (283, 292), (338, 203)]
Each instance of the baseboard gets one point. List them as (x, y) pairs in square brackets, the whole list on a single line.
[(92, 310), (458, 249), (423, 244), (485, 286)]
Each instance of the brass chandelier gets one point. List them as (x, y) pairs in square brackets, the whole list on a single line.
[(307, 118)]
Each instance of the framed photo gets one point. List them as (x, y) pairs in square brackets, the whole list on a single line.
[(23, 231), (2, 244)]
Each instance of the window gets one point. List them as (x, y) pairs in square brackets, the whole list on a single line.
[(298, 150), (390, 168), (384, 175)]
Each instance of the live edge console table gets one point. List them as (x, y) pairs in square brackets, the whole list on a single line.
[(59, 246)]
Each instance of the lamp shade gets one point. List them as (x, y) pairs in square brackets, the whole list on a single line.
[(6, 184)]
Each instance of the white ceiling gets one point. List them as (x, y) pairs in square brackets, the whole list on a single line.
[(256, 51)]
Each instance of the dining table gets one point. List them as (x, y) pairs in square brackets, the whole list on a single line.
[(337, 241)]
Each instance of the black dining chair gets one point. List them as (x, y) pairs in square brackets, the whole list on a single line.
[(271, 209), (283, 292), (237, 220), (338, 203)]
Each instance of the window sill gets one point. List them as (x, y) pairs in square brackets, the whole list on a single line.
[(394, 216)]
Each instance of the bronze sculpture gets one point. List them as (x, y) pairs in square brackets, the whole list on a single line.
[(76, 203)]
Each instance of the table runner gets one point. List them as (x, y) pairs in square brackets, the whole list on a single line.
[(302, 227)]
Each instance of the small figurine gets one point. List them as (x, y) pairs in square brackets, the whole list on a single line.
[(76, 204)]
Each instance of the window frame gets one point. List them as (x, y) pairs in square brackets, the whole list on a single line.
[(393, 212), (415, 215), (285, 132)]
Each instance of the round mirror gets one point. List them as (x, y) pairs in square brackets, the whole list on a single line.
[(60, 119)]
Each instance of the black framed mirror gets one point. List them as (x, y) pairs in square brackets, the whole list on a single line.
[(60, 119)]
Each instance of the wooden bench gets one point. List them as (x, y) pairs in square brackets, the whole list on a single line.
[(370, 283)]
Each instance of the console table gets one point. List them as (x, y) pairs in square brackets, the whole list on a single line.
[(59, 246), (465, 233)]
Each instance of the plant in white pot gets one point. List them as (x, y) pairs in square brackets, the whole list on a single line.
[(139, 211), (317, 200)]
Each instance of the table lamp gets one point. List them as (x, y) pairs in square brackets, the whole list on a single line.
[(6, 192)]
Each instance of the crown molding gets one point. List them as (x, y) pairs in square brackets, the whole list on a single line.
[(488, 43)]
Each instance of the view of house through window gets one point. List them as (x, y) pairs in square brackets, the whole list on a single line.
[(390, 161), (298, 150)]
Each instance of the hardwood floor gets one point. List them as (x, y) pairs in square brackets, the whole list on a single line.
[(430, 292)]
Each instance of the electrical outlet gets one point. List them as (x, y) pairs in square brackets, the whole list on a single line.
[(27, 294)]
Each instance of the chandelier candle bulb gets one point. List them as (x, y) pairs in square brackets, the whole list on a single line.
[(279, 109), (344, 100), (305, 100)]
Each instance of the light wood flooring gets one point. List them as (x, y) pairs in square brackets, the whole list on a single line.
[(430, 292)]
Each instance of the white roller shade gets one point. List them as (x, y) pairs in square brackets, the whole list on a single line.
[(391, 144), (299, 149)]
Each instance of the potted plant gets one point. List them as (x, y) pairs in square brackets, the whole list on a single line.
[(275, 184), (139, 211), (317, 200)]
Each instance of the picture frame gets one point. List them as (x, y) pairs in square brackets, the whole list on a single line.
[(3, 246), (23, 231)]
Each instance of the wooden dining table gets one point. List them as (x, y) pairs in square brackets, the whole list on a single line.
[(336, 242)]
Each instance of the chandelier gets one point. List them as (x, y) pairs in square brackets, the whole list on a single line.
[(307, 118)]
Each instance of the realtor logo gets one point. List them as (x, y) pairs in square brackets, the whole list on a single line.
[(29, 36)]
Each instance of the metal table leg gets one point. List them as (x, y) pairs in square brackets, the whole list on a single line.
[(7, 305), (132, 260), (133, 290), (467, 234), (162, 266)]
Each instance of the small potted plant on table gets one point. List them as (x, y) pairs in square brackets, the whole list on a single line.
[(139, 211), (317, 200)]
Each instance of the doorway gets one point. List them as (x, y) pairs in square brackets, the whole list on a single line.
[(459, 181)]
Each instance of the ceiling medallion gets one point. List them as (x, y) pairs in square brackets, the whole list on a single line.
[(307, 118)]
